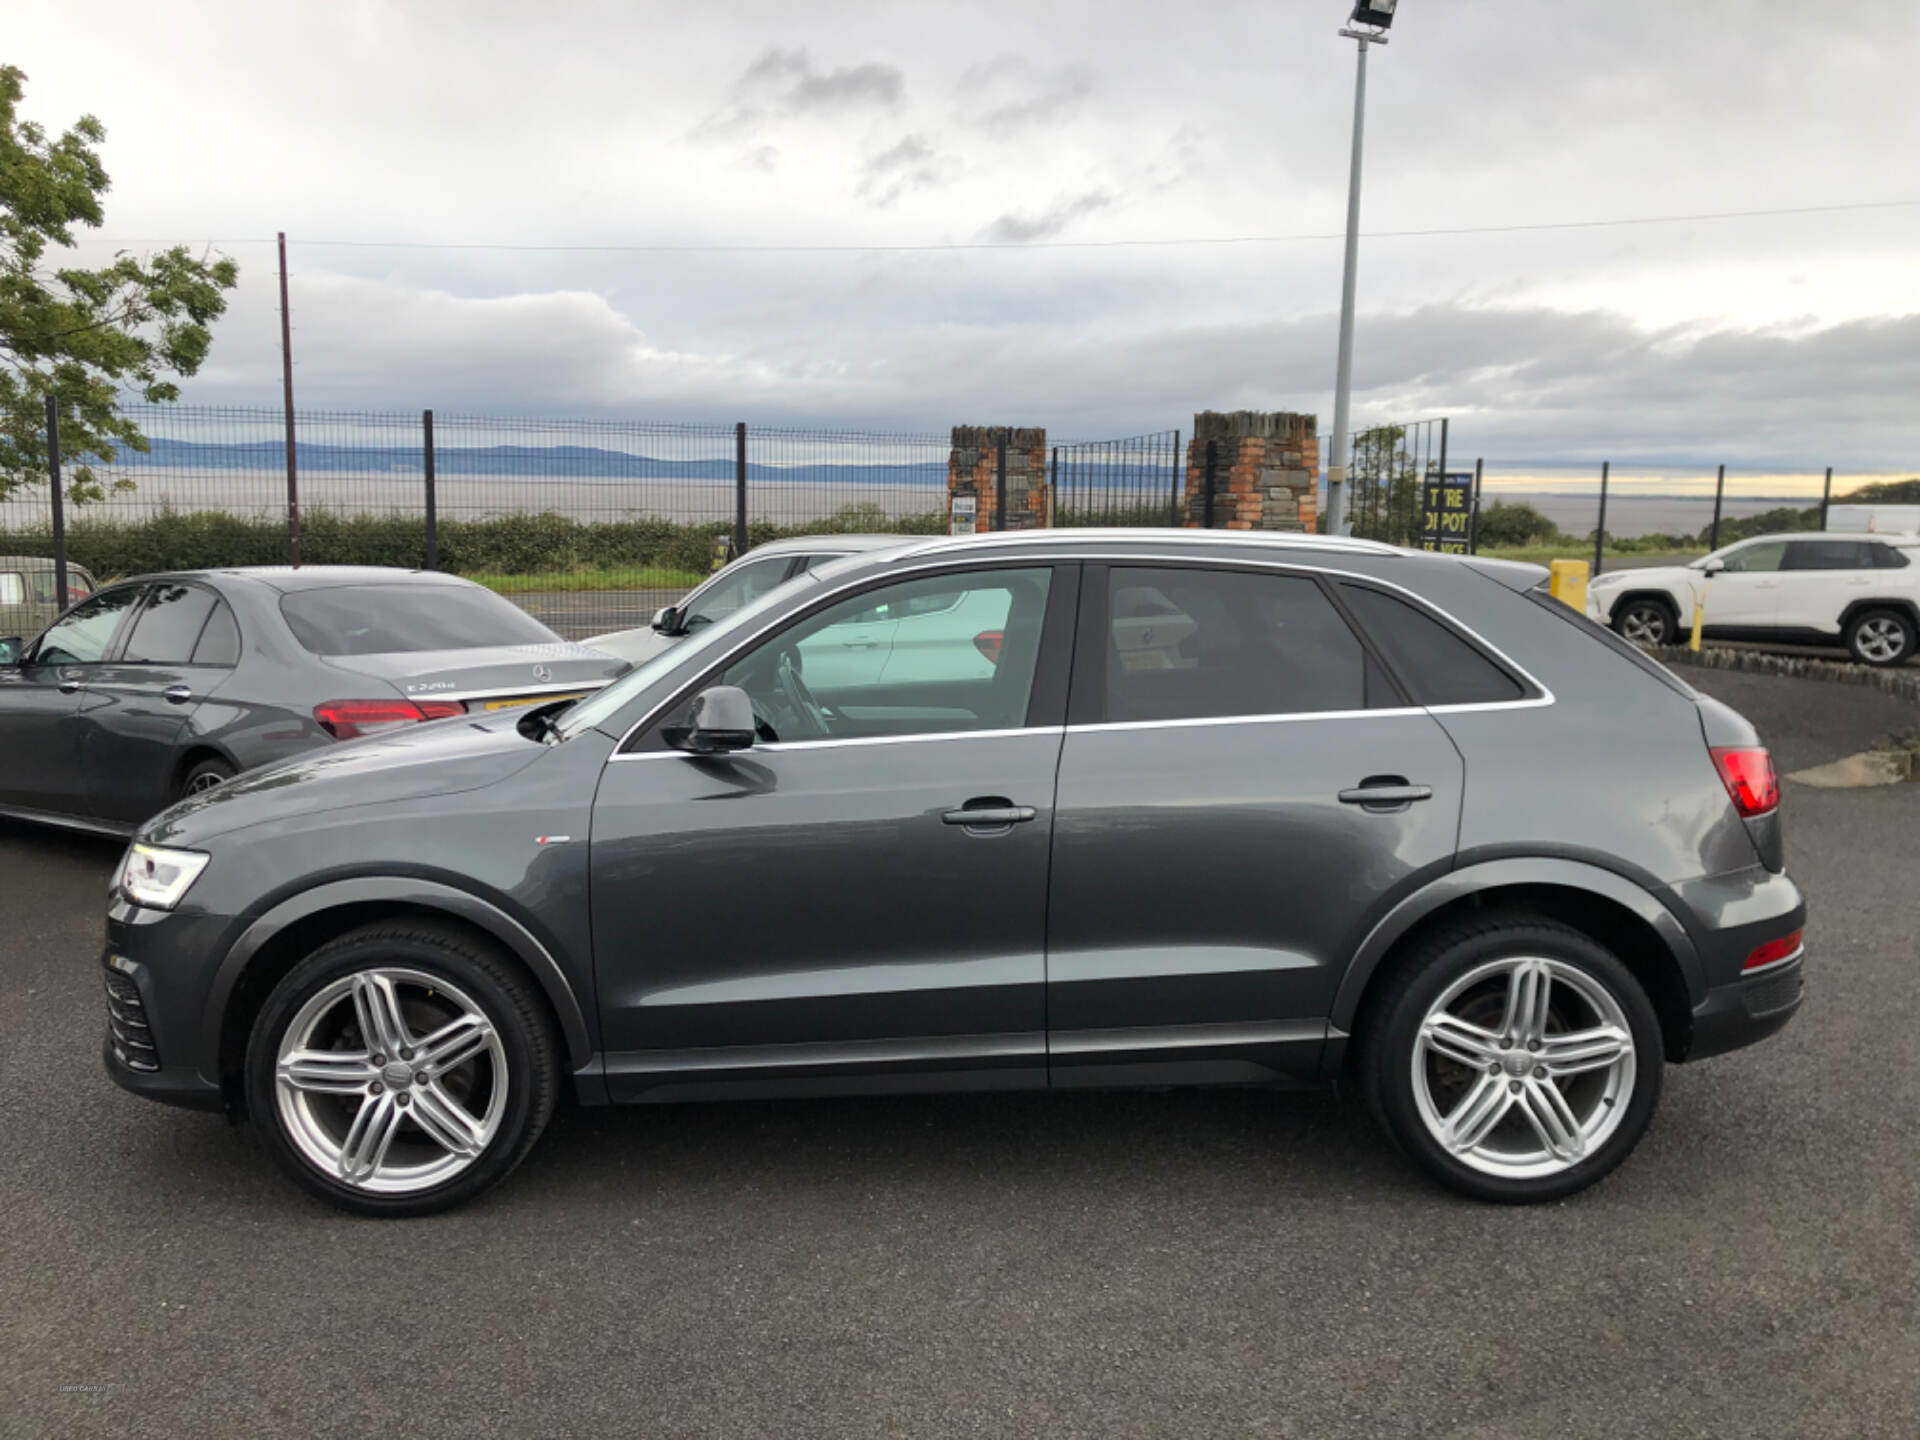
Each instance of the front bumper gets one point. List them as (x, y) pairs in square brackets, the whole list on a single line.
[(1750, 1009), (171, 1084), (157, 967)]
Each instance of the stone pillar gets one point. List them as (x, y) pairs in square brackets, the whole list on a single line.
[(971, 471), (1266, 470)]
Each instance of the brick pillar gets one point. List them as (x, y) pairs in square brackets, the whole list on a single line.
[(1266, 470), (971, 471)]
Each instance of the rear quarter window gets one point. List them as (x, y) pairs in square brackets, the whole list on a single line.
[(1438, 666)]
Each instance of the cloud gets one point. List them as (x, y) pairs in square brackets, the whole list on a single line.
[(912, 164), (1018, 96), (1023, 229), (786, 84)]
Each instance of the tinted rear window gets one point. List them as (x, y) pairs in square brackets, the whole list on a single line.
[(1438, 666), (1885, 557), (1613, 642), (1827, 555), (220, 640), (395, 619)]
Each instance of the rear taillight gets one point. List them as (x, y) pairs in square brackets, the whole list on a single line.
[(350, 719), (1747, 772), (987, 642), (1773, 951)]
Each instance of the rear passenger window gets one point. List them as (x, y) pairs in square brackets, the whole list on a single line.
[(220, 641), (1827, 555), (1885, 557), (1439, 666), (1201, 644), (170, 625)]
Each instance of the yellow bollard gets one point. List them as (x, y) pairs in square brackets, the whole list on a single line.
[(1699, 614), (1568, 583)]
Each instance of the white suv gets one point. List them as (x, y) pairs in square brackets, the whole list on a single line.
[(1861, 591)]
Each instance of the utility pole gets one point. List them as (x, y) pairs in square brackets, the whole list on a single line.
[(286, 376)]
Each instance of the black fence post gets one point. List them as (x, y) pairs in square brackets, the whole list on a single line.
[(1000, 484), (1473, 525), (1719, 488), (433, 514), (1053, 487), (1600, 534), (59, 505), (1826, 497), (740, 488), (1206, 503), (286, 375), (1179, 475)]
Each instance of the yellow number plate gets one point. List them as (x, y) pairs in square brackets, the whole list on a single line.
[(529, 700)]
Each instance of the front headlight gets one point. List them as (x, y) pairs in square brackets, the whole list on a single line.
[(157, 877)]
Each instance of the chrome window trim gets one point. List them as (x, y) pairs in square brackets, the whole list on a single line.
[(951, 559)]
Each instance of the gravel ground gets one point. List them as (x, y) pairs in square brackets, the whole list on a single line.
[(1168, 1264)]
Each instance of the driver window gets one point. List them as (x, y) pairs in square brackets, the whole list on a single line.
[(970, 668), (83, 637), (1754, 558), (741, 586)]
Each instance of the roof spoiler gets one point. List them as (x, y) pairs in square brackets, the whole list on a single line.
[(1514, 574)]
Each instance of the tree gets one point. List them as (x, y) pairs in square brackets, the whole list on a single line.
[(1502, 524), (83, 335)]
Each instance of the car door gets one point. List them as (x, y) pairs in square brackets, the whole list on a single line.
[(1215, 855), (807, 912), (1745, 595), (137, 706), (40, 699), (1819, 577)]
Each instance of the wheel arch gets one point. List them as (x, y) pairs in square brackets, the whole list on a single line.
[(1901, 604), (192, 755), (1654, 593), (1617, 912), (275, 942)]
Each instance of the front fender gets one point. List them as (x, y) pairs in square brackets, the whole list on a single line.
[(403, 890), (1500, 874)]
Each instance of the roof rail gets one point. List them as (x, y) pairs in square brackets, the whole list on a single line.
[(1078, 535)]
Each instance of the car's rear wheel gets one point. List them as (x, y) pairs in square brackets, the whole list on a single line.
[(1513, 1058), (1880, 637), (205, 775), (401, 1069), (1646, 622)]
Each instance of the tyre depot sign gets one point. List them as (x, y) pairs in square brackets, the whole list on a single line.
[(1447, 513)]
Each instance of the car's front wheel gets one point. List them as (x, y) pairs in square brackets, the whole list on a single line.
[(1880, 637), (1514, 1058), (401, 1069), (1646, 622)]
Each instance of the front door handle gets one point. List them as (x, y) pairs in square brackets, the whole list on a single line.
[(69, 684), (177, 694), (1383, 793), (990, 816)]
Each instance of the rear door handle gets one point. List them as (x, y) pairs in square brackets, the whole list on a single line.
[(177, 694), (69, 684), (989, 817)]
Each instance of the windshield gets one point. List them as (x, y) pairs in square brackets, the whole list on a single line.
[(603, 704)]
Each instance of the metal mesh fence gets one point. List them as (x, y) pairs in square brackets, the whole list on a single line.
[(1136, 481), (845, 481), (1384, 475)]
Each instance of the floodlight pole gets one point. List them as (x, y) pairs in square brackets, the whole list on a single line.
[(1338, 521)]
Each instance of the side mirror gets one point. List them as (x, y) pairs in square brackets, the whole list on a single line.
[(666, 620), (721, 721), (1713, 565), (11, 649)]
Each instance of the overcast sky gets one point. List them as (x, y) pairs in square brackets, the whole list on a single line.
[(1785, 343)]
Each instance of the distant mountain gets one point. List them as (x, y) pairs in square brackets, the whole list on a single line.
[(557, 462)]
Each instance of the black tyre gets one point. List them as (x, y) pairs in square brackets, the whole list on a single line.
[(1513, 1058), (1880, 637), (205, 775), (1647, 620), (402, 1069)]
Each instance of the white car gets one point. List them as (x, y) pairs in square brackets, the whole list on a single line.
[(1821, 588), (738, 584)]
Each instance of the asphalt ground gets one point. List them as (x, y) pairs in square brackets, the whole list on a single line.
[(1171, 1264)]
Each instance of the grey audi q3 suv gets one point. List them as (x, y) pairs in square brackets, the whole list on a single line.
[(1192, 808)]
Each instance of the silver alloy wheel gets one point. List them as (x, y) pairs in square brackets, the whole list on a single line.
[(377, 1104), (1523, 1067), (205, 780), (1644, 625), (1880, 638)]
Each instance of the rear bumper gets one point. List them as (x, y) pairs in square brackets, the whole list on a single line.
[(1750, 1009)]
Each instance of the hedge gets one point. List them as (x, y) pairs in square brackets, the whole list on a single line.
[(504, 545)]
